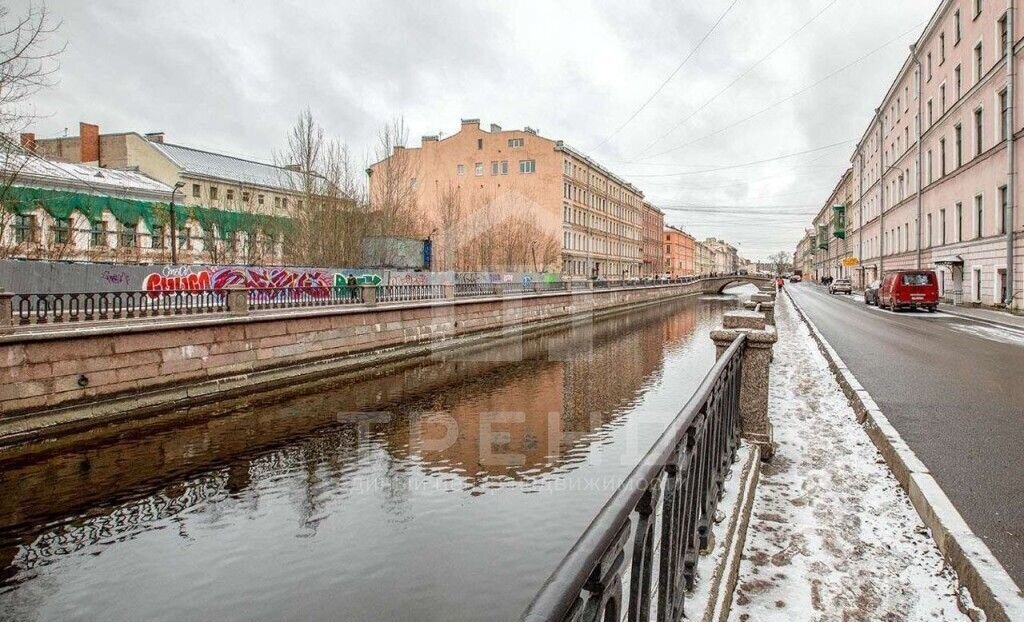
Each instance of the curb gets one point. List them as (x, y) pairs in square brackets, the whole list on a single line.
[(983, 320), (729, 571), (977, 569)]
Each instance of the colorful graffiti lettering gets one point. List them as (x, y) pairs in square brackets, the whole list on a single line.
[(263, 278), (177, 282)]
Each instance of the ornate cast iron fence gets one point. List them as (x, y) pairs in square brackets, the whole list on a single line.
[(638, 557), (73, 307), (301, 297)]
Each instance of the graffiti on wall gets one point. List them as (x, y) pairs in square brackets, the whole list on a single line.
[(184, 278)]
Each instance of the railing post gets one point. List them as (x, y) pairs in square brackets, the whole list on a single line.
[(6, 312), (368, 294), (757, 354), (238, 300), (499, 289), (448, 291)]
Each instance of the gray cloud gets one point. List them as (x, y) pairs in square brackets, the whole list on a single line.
[(233, 75)]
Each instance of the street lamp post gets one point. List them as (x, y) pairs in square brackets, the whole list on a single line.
[(174, 224)]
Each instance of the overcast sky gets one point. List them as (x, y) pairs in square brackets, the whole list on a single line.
[(231, 76)]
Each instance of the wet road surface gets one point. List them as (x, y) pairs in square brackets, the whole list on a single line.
[(954, 389)]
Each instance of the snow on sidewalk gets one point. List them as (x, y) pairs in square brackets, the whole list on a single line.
[(832, 535)]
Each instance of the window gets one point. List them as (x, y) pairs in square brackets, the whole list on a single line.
[(929, 239), (1002, 209), (156, 238), (977, 284), (928, 165), (478, 169), (956, 27), (515, 143), (930, 117), (479, 143), (959, 222), (978, 64), (928, 67), (942, 226), (284, 201), (259, 199), (24, 228), (958, 82), (213, 193), (979, 131), (98, 234), (494, 167), (184, 239), (977, 8), (1004, 116), (942, 47), (527, 166), (958, 133), (942, 99), (1002, 35), (126, 236), (460, 170), (277, 202), (245, 196), (196, 191), (942, 157), (504, 167), (979, 216), (62, 231), (230, 194)]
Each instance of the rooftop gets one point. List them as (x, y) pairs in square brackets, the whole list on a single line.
[(34, 170), (209, 164)]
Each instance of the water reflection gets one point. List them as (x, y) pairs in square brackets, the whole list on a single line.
[(407, 496)]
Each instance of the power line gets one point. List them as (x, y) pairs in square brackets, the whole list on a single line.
[(745, 164), (669, 78), (793, 95), (741, 76)]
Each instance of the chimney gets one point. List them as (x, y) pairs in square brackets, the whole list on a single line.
[(495, 128), (28, 141), (88, 143), (472, 122), (428, 139), (155, 137), (396, 148), (530, 130)]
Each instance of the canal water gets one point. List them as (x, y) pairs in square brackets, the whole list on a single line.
[(446, 491)]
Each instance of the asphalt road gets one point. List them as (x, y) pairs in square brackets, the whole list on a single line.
[(954, 389)]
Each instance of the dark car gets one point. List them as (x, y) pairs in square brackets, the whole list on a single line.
[(871, 293), (909, 289)]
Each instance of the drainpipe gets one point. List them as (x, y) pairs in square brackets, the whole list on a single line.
[(1010, 174), (860, 215), (920, 124), (881, 196)]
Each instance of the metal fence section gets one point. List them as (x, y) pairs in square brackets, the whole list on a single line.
[(301, 297), (91, 306), (634, 559), (409, 293)]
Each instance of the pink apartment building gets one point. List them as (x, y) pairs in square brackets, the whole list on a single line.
[(947, 200)]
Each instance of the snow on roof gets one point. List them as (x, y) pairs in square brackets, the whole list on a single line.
[(226, 167), (35, 170)]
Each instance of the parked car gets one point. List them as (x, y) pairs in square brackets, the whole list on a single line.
[(871, 292), (795, 278), (909, 289), (843, 286)]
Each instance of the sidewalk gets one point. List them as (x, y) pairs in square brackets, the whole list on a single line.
[(832, 536), (985, 315)]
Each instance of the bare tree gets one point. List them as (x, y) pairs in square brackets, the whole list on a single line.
[(28, 63), (780, 262), (450, 220), (329, 218), (392, 194)]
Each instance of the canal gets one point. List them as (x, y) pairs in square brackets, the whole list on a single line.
[(447, 490)]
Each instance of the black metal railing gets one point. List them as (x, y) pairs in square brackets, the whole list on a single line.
[(91, 306), (300, 297), (464, 290), (409, 293), (633, 559)]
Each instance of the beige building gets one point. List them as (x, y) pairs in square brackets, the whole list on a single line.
[(941, 194), (652, 251), (241, 203), (723, 255), (513, 199)]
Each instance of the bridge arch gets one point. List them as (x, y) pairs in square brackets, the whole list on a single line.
[(716, 285)]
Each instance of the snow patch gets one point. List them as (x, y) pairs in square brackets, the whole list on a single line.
[(992, 333)]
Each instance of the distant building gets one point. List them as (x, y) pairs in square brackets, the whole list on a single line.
[(679, 253), (245, 201), (513, 199), (653, 252), (724, 257)]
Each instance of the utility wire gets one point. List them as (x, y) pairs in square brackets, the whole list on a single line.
[(669, 78), (793, 95), (740, 77), (734, 166)]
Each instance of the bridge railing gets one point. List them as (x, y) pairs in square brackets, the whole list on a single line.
[(632, 558)]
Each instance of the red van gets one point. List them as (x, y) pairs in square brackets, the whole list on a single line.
[(909, 289)]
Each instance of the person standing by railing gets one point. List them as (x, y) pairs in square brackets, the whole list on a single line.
[(353, 287)]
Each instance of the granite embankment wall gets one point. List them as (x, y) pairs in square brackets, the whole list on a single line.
[(119, 367)]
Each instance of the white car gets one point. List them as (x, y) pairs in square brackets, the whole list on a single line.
[(838, 286)]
